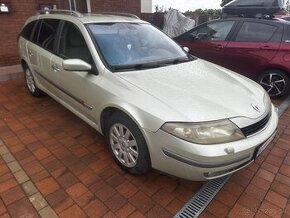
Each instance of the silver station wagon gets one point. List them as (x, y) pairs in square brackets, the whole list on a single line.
[(158, 106)]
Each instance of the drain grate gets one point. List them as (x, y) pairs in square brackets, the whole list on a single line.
[(202, 198)]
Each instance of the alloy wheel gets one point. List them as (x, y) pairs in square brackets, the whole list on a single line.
[(273, 83), (124, 145), (29, 81)]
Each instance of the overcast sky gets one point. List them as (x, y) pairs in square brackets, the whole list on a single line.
[(184, 5)]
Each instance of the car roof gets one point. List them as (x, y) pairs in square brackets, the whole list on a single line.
[(101, 17)]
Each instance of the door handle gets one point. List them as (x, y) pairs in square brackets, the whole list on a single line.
[(219, 46), (30, 53), (266, 47), (55, 68)]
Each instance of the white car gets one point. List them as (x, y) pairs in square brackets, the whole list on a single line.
[(157, 106)]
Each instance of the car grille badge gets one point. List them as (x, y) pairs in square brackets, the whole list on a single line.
[(256, 108)]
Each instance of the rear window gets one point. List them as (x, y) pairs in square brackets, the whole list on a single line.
[(255, 32), (27, 30)]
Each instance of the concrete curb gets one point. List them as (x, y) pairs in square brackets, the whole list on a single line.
[(10, 72)]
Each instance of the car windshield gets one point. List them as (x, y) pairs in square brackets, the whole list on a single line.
[(133, 46)]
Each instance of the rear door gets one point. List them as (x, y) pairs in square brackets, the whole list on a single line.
[(209, 40), (40, 51), (253, 46)]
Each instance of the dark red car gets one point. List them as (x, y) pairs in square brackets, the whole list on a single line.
[(256, 48)]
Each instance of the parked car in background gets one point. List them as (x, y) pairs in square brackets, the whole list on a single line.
[(157, 106), (256, 48)]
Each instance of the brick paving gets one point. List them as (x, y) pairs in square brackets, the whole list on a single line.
[(64, 165), (57, 163)]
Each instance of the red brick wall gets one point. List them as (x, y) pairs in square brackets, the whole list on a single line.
[(11, 24), (128, 6)]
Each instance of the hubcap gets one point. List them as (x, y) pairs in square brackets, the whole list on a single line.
[(124, 145), (30, 81), (273, 83)]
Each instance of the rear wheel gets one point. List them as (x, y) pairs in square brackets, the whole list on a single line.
[(127, 144), (30, 83), (275, 82)]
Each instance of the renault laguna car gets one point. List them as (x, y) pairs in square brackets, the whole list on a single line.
[(157, 106)]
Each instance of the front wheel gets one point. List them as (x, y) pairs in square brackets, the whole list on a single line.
[(275, 82), (127, 144)]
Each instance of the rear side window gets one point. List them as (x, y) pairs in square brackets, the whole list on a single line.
[(45, 33), (27, 30), (255, 32)]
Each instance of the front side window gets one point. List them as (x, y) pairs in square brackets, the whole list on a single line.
[(255, 32), (135, 46), (217, 31), (45, 33), (72, 44)]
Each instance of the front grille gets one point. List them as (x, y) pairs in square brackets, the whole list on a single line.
[(256, 127)]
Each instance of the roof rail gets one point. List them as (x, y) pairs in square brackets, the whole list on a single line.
[(118, 14), (57, 11)]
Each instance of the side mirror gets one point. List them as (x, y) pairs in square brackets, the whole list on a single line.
[(186, 49), (76, 65)]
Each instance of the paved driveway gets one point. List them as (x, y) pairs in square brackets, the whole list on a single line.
[(54, 164)]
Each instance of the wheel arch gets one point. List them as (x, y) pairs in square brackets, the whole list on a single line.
[(108, 112), (273, 67)]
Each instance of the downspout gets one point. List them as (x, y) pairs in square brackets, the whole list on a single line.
[(89, 6)]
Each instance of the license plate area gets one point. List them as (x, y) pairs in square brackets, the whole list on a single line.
[(262, 147)]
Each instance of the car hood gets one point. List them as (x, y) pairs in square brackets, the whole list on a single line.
[(200, 91)]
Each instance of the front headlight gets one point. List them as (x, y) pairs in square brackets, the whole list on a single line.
[(216, 132)]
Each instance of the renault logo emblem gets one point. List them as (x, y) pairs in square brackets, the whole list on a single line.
[(256, 108)]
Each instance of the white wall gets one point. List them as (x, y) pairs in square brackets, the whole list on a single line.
[(146, 6)]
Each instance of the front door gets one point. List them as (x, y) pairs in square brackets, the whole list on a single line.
[(72, 84), (208, 41)]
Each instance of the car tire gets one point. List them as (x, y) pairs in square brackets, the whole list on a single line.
[(127, 144), (30, 84), (275, 82)]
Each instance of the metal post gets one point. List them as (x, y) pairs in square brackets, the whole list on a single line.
[(75, 5), (89, 9), (69, 2)]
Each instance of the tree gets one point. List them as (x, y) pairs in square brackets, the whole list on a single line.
[(224, 2), (159, 8)]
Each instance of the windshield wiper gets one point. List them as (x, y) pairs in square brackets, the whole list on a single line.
[(135, 66), (177, 61)]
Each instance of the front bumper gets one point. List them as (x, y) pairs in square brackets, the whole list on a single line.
[(203, 162)]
